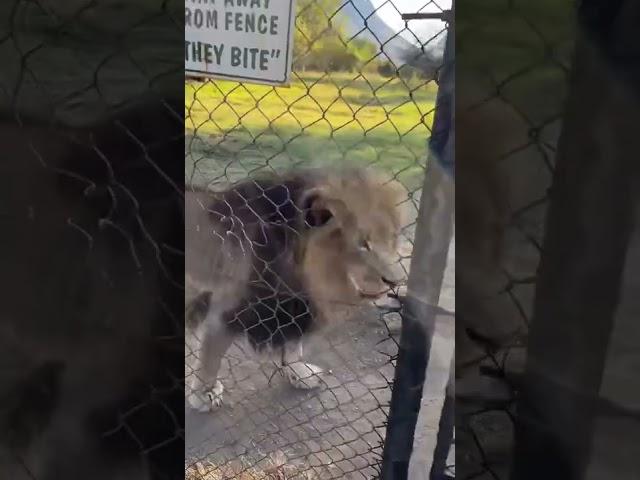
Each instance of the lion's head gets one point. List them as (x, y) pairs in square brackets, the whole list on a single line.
[(349, 252)]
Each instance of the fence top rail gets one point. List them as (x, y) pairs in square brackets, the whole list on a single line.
[(445, 16)]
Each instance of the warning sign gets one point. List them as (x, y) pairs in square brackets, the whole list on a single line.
[(244, 40)]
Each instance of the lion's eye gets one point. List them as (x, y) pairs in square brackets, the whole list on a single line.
[(365, 245)]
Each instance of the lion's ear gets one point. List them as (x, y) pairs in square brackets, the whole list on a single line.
[(317, 210)]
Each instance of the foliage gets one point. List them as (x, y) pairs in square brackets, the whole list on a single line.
[(322, 42), (387, 69), (422, 62)]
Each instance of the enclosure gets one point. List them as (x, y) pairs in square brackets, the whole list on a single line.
[(364, 91)]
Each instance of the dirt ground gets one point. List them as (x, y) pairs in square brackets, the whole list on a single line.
[(335, 431)]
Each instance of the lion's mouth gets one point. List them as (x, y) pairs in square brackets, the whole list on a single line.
[(365, 294), (371, 296)]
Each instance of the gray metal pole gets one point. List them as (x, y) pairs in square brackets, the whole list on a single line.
[(589, 223), (433, 235), (446, 428)]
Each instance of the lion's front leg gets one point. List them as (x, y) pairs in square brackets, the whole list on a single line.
[(206, 346)]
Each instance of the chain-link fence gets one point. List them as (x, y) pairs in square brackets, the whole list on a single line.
[(363, 94), (513, 60)]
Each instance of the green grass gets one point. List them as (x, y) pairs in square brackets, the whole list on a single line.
[(320, 120)]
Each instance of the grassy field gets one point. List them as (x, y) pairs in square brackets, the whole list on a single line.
[(234, 129)]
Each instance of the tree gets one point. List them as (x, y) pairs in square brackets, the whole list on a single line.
[(321, 39), (362, 49), (313, 20), (387, 69), (427, 62)]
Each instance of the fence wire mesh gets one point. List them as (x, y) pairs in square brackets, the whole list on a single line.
[(363, 93), (513, 61)]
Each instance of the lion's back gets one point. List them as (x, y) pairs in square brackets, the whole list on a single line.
[(226, 232)]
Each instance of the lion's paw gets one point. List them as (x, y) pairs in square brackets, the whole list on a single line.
[(207, 400), (304, 376)]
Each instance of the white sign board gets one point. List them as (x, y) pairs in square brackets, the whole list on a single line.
[(244, 40)]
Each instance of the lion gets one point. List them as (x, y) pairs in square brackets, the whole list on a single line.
[(276, 258)]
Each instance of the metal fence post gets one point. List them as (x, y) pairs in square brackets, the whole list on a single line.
[(588, 229), (446, 427), (432, 238)]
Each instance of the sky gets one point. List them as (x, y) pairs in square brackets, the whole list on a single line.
[(385, 26)]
